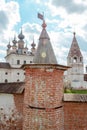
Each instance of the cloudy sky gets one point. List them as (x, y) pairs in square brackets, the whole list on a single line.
[(63, 17)]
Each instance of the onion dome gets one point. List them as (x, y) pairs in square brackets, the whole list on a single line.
[(14, 41), (9, 46), (21, 36), (33, 45)]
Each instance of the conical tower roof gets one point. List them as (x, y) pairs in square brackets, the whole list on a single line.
[(44, 53), (74, 50)]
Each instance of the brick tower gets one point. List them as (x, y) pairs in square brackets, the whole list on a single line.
[(43, 107)]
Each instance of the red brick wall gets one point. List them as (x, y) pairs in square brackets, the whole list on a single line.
[(43, 89), (75, 116), (19, 100)]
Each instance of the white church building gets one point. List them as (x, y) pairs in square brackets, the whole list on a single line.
[(17, 55)]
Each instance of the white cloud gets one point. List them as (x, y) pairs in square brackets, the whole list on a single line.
[(9, 17), (68, 17), (31, 31), (71, 6)]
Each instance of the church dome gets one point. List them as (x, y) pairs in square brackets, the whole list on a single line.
[(21, 36)]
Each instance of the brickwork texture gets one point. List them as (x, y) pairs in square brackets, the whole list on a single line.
[(75, 116), (43, 107)]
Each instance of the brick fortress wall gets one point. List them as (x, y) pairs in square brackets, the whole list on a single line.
[(75, 112), (43, 106)]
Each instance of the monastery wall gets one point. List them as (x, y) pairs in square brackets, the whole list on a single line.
[(75, 112), (11, 111), (11, 75)]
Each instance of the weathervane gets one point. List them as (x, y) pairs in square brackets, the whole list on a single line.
[(41, 16)]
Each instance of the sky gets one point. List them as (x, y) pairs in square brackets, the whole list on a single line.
[(62, 17)]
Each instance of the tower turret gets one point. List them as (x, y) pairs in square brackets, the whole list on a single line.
[(74, 55), (43, 108), (21, 42), (33, 47), (8, 47), (44, 53), (14, 46), (75, 60)]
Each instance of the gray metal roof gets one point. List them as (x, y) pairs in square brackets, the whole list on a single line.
[(44, 53), (75, 97), (74, 50), (5, 65), (12, 88)]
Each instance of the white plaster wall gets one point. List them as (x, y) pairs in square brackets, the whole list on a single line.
[(12, 59), (15, 76), (12, 75), (7, 103), (9, 115), (76, 73), (80, 85)]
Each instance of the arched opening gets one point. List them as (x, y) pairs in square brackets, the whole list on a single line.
[(80, 59), (6, 80), (75, 59), (86, 69)]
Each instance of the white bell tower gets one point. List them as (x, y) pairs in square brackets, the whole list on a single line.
[(75, 74)]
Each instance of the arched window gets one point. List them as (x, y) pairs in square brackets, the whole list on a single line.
[(75, 59), (18, 80), (18, 73), (86, 69), (6, 80), (6, 73), (18, 62), (30, 61), (24, 61), (80, 59)]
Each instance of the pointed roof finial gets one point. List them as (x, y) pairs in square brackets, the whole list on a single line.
[(44, 24), (74, 49), (74, 33), (14, 40), (21, 36), (9, 46), (45, 53), (33, 44), (41, 16)]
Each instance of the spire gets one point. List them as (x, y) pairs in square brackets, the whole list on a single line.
[(74, 50), (14, 40), (9, 45), (44, 34), (44, 53), (33, 44), (21, 36), (33, 47)]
